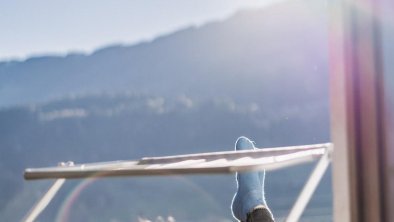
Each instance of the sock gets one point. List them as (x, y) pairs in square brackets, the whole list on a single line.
[(250, 186)]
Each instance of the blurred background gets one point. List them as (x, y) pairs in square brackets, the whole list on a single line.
[(98, 81)]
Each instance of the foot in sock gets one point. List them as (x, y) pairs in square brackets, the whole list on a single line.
[(249, 202)]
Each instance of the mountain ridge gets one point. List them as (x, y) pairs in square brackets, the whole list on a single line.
[(205, 61)]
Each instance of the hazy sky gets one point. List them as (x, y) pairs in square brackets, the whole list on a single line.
[(36, 27)]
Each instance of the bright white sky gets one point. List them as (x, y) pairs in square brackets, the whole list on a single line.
[(37, 27)]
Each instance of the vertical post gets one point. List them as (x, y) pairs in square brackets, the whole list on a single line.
[(386, 87), (355, 110), (343, 158)]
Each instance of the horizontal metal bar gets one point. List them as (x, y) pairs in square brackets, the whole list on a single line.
[(259, 152), (213, 164)]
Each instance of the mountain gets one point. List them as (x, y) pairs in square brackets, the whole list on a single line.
[(263, 52), (260, 73)]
